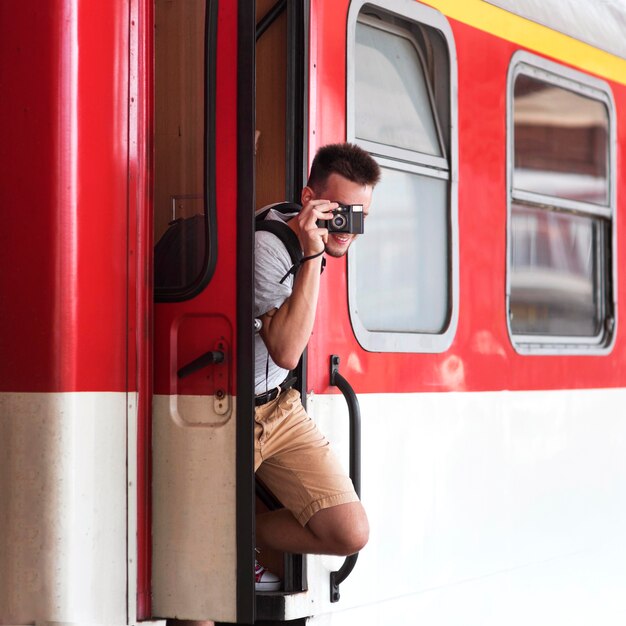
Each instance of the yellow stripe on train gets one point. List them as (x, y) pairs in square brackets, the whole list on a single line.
[(541, 39)]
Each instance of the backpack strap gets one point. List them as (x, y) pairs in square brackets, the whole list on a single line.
[(288, 238), (286, 208)]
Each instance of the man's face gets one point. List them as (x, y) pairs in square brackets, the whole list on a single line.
[(344, 191)]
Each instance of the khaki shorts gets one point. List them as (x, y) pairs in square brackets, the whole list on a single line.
[(294, 459)]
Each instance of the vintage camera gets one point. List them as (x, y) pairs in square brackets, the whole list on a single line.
[(347, 218)]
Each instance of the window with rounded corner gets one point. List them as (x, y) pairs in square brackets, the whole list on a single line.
[(403, 273), (561, 160), (184, 223)]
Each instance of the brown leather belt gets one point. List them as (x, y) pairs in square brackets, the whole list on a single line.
[(272, 394)]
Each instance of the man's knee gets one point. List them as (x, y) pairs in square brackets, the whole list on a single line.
[(353, 538), (344, 529)]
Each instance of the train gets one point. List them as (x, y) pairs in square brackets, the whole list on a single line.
[(468, 361)]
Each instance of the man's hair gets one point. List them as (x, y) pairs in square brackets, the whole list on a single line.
[(345, 159)]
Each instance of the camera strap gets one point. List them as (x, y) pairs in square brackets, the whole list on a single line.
[(296, 266)]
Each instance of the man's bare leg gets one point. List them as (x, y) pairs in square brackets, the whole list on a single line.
[(339, 530)]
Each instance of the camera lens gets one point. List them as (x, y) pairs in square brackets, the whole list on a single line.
[(339, 222)]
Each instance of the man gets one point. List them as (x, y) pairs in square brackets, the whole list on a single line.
[(323, 514)]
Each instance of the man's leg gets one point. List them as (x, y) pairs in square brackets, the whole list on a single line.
[(322, 512), (339, 530)]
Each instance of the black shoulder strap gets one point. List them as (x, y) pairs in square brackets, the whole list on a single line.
[(286, 208), (286, 235), (282, 231)]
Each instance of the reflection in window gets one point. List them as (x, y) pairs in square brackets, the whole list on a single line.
[(405, 226), (561, 142), (554, 273), (180, 219), (560, 220)]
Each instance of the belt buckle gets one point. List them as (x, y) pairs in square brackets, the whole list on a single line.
[(266, 397)]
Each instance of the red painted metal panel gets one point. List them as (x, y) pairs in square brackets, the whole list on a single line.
[(481, 357), (327, 71), (64, 156)]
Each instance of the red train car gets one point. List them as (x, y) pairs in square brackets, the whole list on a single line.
[(478, 321)]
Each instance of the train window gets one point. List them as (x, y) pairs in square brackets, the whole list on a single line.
[(561, 207), (183, 144), (385, 60), (403, 276)]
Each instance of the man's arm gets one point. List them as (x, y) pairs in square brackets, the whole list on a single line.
[(286, 330)]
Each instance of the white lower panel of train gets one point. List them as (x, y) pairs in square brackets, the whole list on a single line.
[(485, 508), (66, 527)]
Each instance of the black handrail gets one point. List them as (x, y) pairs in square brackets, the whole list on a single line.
[(267, 20), (337, 380)]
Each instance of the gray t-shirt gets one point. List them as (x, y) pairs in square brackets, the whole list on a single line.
[(272, 262)]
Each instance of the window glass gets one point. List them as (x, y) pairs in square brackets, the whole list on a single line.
[(555, 273), (181, 225), (561, 142), (403, 273), (560, 282), (393, 105), (402, 264)]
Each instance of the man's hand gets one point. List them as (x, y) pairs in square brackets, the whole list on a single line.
[(313, 239)]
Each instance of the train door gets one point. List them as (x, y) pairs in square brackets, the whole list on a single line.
[(202, 455)]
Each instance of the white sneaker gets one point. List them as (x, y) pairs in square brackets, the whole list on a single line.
[(264, 579)]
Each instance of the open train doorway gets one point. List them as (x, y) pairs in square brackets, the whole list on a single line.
[(280, 159)]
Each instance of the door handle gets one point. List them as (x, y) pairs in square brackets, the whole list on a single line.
[(216, 381), (208, 358)]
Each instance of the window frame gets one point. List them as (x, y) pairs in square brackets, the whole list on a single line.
[(528, 64), (445, 167)]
